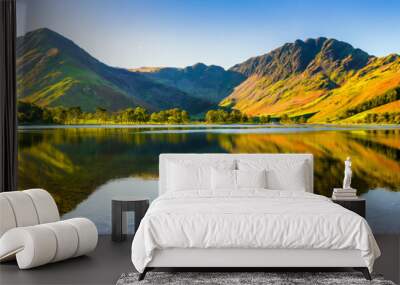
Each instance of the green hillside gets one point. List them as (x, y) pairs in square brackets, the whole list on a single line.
[(54, 71), (320, 80)]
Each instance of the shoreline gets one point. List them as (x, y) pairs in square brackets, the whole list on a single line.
[(214, 126)]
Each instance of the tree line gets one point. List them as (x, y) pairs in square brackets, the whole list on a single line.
[(32, 114), (388, 118), (390, 96), (29, 113)]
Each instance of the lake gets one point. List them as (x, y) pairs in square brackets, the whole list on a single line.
[(83, 167)]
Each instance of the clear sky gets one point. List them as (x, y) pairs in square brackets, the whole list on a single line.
[(130, 33)]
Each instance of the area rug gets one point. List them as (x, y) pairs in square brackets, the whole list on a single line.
[(243, 278)]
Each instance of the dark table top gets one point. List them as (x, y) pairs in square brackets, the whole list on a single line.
[(130, 198)]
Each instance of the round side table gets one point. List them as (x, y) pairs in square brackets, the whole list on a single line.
[(121, 205)]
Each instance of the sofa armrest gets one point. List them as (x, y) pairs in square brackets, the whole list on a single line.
[(32, 246)]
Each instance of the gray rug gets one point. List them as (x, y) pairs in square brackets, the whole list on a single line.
[(229, 278)]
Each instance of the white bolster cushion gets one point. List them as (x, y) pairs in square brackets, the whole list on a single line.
[(45, 205), (87, 234), (67, 240), (32, 246), (37, 245), (7, 218), (23, 208)]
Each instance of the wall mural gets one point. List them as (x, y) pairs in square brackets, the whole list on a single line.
[(102, 92)]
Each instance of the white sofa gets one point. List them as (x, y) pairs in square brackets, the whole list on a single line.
[(31, 231)]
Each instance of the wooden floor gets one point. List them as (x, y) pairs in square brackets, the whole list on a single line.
[(111, 259)]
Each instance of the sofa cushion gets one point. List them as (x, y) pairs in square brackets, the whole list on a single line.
[(24, 210), (7, 220), (41, 244), (45, 205)]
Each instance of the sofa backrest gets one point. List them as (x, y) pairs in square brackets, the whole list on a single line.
[(273, 159), (26, 208)]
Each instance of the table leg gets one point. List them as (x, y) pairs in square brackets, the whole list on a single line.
[(140, 211), (117, 221)]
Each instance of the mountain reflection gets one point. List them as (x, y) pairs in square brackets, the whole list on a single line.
[(71, 163)]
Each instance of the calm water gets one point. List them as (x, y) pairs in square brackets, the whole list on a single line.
[(84, 167)]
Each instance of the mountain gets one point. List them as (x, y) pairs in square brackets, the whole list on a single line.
[(53, 71), (211, 83), (322, 80), (319, 80)]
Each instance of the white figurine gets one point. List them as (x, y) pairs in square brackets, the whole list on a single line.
[(347, 173)]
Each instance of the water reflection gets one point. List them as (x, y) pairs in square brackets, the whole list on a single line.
[(97, 206), (84, 167)]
